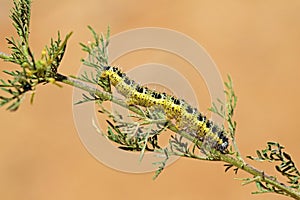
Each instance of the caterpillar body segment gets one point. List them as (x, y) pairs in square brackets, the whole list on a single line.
[(114, 74), (142, 96), (218, 140), (185, 116)]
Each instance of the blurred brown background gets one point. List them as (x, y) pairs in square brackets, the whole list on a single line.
[(257, 42)]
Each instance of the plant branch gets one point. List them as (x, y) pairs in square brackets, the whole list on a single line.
[(260, 176), (4, 56), (35, 72)]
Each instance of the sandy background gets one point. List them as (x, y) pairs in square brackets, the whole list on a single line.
[(257, 42)]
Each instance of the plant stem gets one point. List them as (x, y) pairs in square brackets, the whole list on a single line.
[(227, 158), (3, 55), (105, 96), (257, 173)]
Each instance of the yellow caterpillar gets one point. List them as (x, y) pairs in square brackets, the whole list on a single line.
[(186, 117)]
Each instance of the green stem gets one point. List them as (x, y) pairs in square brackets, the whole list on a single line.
[(4, 56), (218, 156), (256, 173), (105, 96)]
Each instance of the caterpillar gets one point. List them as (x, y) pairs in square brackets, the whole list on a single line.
[(185, 116)]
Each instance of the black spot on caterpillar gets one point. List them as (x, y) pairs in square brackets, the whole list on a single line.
[(185, 116)]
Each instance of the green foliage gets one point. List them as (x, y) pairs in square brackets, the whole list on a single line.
[(226, 111), (161, 164), (88, 98), (132, 141), (284, 164), (138, 135), (20, 16), (33, 71), (55, 53), (142, 133), (97, 59), (97, 55)]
